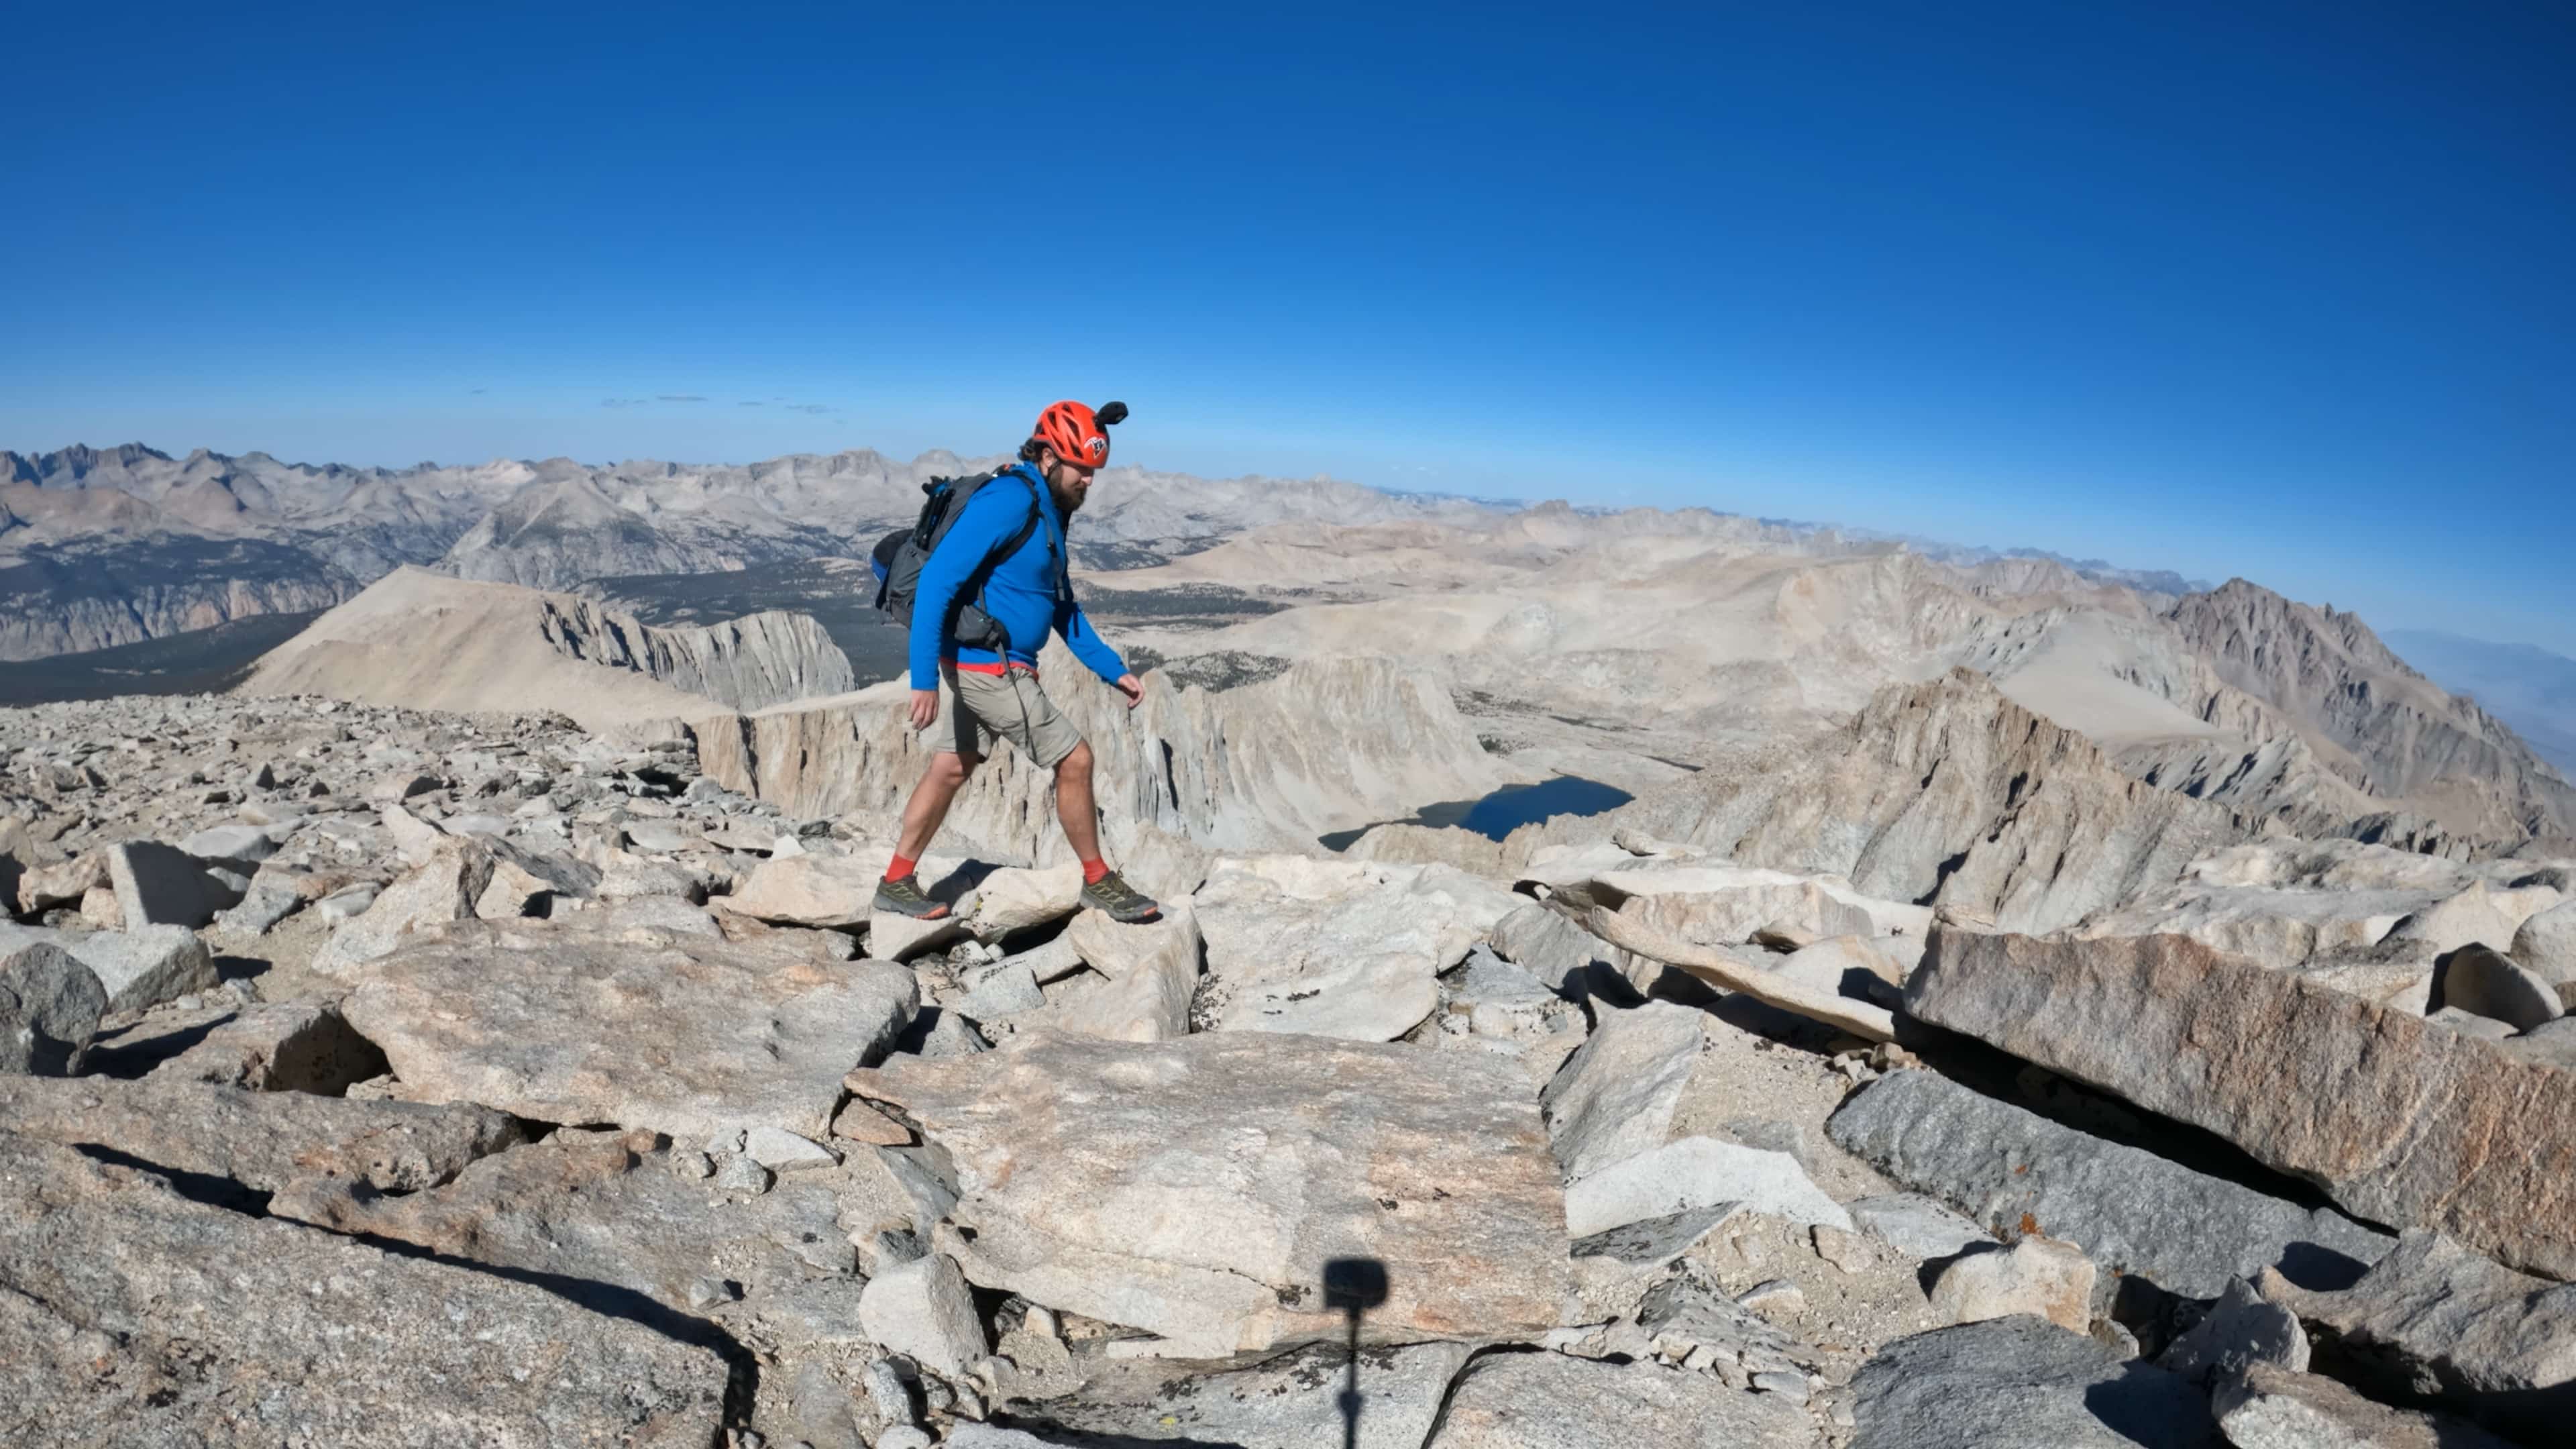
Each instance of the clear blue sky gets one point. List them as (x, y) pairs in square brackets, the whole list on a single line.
[(2279, 290)]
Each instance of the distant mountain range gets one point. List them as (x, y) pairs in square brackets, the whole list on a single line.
[(1690, 632), (2527, 687), (2233, 695), (1962, 555), (102, 547), (106, 548), (2100, 571)]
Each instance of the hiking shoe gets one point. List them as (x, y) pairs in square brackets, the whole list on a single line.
[(1121, 901), (904, 898)]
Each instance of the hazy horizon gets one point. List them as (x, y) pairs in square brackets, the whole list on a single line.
[(2108, 560)]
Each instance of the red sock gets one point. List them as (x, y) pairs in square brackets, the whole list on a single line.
[(1093, 870), (899, 867)]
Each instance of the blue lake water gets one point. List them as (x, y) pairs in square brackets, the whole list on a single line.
[(1507, 809)]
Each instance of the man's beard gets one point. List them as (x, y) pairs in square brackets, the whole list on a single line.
[(1067, 501)]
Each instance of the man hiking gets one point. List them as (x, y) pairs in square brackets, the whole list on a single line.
[(1005, 554)]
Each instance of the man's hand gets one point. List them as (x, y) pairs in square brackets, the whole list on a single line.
[(925, 708), (1131, 687)]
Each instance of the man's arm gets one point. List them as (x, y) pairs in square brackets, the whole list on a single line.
[(984, 526), (1094, 651), (1086, 643)]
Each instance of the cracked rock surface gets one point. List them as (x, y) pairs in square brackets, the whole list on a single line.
[(376, 1075)]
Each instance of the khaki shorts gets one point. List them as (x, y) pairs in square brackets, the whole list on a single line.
[(977, 709)]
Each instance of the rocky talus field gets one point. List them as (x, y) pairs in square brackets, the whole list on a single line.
[(2017, 1009), (379, 1076)]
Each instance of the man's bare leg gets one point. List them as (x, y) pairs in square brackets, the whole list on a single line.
[(922, 816), (1073, 803), (928, 808), (1102, 887)]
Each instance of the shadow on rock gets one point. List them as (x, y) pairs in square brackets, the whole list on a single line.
[(130, 1060), (609, 1300)]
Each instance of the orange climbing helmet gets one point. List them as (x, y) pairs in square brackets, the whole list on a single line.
[(1079, 435)]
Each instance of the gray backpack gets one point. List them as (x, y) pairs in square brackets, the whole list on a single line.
[(898, 557)]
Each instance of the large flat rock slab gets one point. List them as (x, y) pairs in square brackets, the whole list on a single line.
[(607, 1208), (809, 890), (1290, 1402), (2273, 1408), (2136, 1213), (2022, 1383), (2402, 1121), (1196, 1188), (1732, 916), (130, 1315), (1549, 1401), (2280, 928), (2433, 1317), (1615, 1097), (644, 1028), (1694, 1173), (1336, 948), (261, 1140), (1721, 904)]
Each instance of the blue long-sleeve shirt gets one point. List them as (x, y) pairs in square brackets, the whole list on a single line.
[(1030, 592)]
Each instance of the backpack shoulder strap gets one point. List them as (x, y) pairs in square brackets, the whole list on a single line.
[(983, 573), (1028, 525)]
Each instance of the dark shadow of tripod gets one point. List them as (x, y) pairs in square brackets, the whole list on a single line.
[(1353, 1285)]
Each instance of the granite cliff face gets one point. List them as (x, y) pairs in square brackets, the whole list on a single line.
[(2527, 687), (770, 702), (754, 662), (1686, 636), (1330, 744), (75, 599), (2377, 722), (1946, 793), (107, 547), (2164, 713)]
